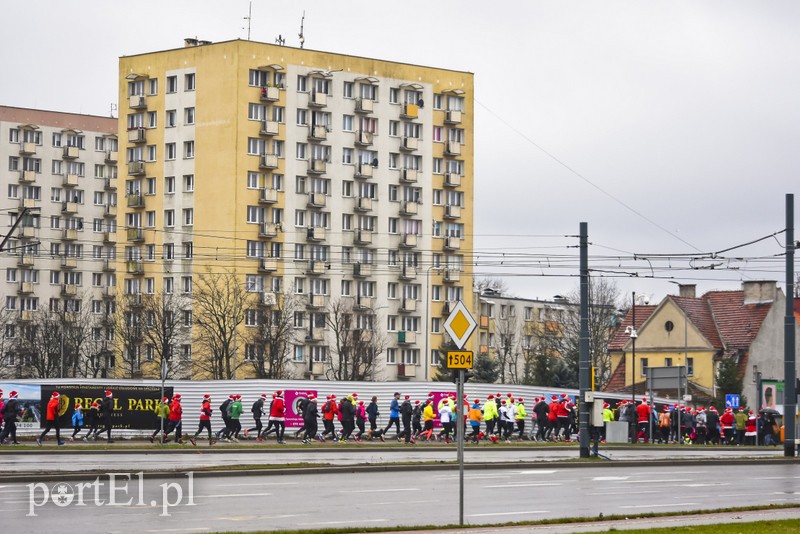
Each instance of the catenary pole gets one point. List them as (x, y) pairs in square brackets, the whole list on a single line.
[(789, 372), (459, 426), (583, 366)]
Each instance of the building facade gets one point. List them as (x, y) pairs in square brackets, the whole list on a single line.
[(331, 186), (59, 179)]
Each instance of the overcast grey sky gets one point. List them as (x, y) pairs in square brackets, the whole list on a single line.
[(684, 112)]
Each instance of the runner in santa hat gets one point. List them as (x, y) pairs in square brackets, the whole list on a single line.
[(224, 433), (416, 420), (205, 421), (258, 411), (277, 414), (541, 410), (106, 408), (10, 413), (51, 420), (750, 429), (162, 413), (490, 414)]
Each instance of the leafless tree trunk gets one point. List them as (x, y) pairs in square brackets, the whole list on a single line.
[(358, 342), (506, 332), (273, 338), (164, 330)]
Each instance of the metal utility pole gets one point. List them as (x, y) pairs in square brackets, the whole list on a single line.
[(583, 365), (460, 441), (789, 372)]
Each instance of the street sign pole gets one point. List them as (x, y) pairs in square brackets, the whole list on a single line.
[(460, 441)]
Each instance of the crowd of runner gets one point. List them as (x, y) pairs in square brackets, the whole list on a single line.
[(498, 418)]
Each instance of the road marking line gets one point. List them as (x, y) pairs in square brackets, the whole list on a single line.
[(704, 485), (395, 502), (537, 472), (257, 484), (345, 522), (660, 505), (378, 490), (600, 479), (510, 513), (642, 473), (657, 481), (178, 529), (232, 495), (623, 492), (525, 485)]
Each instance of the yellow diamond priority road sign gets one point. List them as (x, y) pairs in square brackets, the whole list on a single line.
[(460, 324)]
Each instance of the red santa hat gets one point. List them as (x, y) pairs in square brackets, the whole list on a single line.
[(263, 395), (490, 397), (554, 398), (12, 395), (231, 396), (520, 400), (361, 403), (207, 396), (176, 397), (606, 405), (477, 401), (503, 401), (333, 397), (563, 395), (415, 402), (312, 397), (279, 393), (165, 399), (95, 404), (465, 395), (666, 408), (408, 397), (355, 395), (452, 395), (509, 395), (55, 394), (428, 400), (109, 394)]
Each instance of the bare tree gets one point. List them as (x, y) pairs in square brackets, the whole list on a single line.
[(11, 329), (128, 323), (540, 352), (220, 301), (357, 342), (506, 333), (496, 286), (164, 333), (38, 345), (272, 340), (98, 354)]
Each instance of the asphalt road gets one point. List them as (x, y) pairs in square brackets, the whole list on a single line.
[(398, 498), (52, 462)]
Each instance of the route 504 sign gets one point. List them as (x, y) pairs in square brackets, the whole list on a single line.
[(459, 359)]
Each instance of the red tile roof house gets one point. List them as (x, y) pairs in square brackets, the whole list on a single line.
[(746, 325)]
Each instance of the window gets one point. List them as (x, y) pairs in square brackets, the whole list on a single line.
[(300, 218), (170, 151), (690, 366), (437, 197), (347, 90), (347, 221), (188, 149), (256, 112), (186, 284), (298, 353), (437, 101), (391, 356), (643, 363), (169, 218), (151, 153), (152, 86), (188, 216), (170, 118), (151, 186), (56, 139), (437, 134), (302, 117), (188, 115), (188, 82), (152, 119), (347, 123), (302, 151), (667, 362), (394, 95), (437, 166), (172, 84), (302, 84), (169, 184), (255, 214), (188, 182)]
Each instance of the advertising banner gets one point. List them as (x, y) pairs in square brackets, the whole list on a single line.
[(29, 398), (133, 406), (772, 395), (292, 397)]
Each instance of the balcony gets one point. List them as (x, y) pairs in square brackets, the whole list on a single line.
[(69, 207), (448, 307), (410, 111), (69, 234), (452, 276), (362, 237), (452, 243), (452, 148), (363, 204), (25, 260), (26, 232), (134, 300), (315, 335), (268, 196), (109, 266), (134, 267), (135, 200), (452, 117), (25, 288), (406, 337), (69, 290), (316, 267), (135, 235), (69, 262), (268, 298), (71, 152), (409, 207), (364, 105), (316, 233), (452, 179), (27, 149), (137, 135), (409, 240), (364, 303), (109, 237), (28, 203), (363, 138), (138, 102), (27, 177), (269, 128), (409, 272), (317, 166), (70, 180), (452, 211), (317, 99), (111, 156), (110, 184), (317, 200), (109, 293), (270, 94), (268, 161), (317, 369), (406, 370), (110, 210), (26, 316), (408, 305), (136, 168), (268, 229), (410, 144), (317, 301), (364, 170), (408, 176), (268, 265), (362, 270), (317, 133)]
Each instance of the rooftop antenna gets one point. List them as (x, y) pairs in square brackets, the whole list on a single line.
[(248, 18), (280, 40), (302, 37), (112, 110)]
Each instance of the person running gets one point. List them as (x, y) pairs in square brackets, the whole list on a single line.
[(445, 418), (712, 425), (541, 410), (428, 416), (394, 415), (51, 420), (10, 414), (162, 412), (329, 411), (302, 404), (416, 418), (664, 425), (225, 431), (278, 414), (235, 410), (348, 420), (310, 414), (257, 410), (520, 415), (406, 411), (475, 420), (92, 421), (361, 420), (643, 421), (106, 408), (701, 428), (175, 419), (77, 421), (741, 426), (750, 429), (271, 427), (205, 421), (727, 421), (373, 413)]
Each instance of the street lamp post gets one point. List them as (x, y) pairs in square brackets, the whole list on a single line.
[(631, 330)]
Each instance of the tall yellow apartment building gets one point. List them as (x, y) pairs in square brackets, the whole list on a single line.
[(333, 178)]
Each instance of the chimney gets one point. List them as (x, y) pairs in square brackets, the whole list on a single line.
[(760, 291), (687, 291)]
